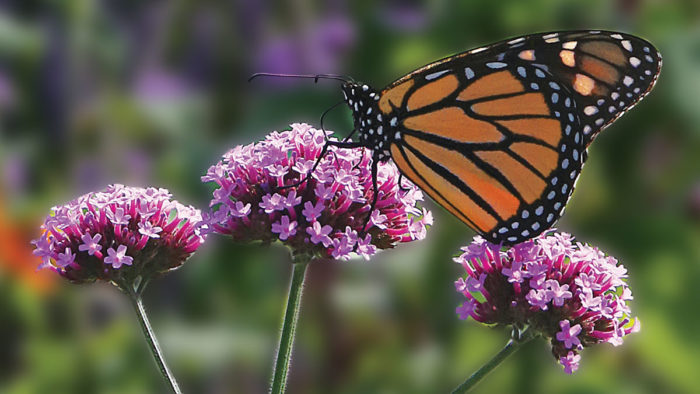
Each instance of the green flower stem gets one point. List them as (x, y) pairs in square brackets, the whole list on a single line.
[(291, 315), (137, 303), (514, 344)]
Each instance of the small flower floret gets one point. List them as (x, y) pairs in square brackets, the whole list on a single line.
[(90, 244), (118, 257)]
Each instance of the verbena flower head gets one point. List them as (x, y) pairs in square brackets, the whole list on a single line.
[(118, 234), (322, 217), (570, 293)]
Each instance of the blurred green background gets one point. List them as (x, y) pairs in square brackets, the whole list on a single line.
[(153, 92)]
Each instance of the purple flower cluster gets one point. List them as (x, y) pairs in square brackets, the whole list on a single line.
[(323, 216), (568, 292), (119, 233)]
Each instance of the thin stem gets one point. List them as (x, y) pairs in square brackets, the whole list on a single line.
[(514, 344), (152, 341), (291, 315)]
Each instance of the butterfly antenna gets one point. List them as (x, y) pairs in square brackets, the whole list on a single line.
[(315, 77)]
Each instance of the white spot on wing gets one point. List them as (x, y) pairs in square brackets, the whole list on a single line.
[(627, 80), (522, 72), (434, 75), (496, 65), (634, 61), (627, 45), (590, 110), (469, 73), (570, 44)]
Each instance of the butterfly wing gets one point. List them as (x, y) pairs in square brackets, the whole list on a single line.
[(498, 135)]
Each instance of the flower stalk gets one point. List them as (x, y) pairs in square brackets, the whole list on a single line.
[(291, 316), (137, 303), (517, 340)]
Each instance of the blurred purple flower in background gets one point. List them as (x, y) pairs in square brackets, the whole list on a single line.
[(404, 17), (118, 234), (329, 40), (572, 294), (324, 215), (319, 48), (157, 83)]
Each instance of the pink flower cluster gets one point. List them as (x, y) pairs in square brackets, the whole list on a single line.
[(569, 292), (323, 216), (121, 232)]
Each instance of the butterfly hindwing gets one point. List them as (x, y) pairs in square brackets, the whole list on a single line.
[(501, 149)]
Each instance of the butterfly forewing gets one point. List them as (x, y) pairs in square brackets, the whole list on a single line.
[(497, 135)]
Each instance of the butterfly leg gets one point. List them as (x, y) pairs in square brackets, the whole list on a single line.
[(401, 187), (323, 116), (349, 135), (324, 151), (375, 194)]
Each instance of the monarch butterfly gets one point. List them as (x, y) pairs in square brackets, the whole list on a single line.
[(498, 135)]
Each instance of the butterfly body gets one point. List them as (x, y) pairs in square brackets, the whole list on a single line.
[(498, 135), (373, 126)]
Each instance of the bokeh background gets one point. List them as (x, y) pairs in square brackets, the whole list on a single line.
[(153, 92)]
